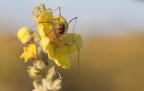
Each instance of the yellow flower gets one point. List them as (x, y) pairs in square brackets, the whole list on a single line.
[(60, 52), (58, 48), (29, 53), (25, 35)]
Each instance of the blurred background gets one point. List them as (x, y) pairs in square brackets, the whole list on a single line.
[(112, 57)]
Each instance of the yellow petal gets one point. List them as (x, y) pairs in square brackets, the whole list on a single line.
[(45, 16), (45, 29), (50, 50), (60, 57), (29, 53), (32, 48), (62, 60), (74, 41), (44, 42), (44, 25)]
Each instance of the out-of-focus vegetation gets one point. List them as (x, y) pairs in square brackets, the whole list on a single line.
[(106, 64)]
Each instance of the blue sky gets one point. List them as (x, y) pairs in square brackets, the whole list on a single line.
[(94, 16)]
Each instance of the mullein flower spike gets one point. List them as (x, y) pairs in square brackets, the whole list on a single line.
[(53, 42)]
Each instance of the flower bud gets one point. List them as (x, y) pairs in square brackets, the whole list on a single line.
[(25, 35), (34, 72)]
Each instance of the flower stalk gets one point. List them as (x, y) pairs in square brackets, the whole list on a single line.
[(52, 43)]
